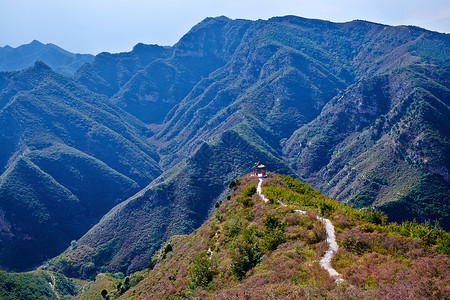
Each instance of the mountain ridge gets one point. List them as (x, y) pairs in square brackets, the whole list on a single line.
[(232, 92), (50, 125), (24, 56), (252, 249)]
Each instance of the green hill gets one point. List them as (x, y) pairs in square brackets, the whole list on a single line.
[(57, 179), (36, 285), (250, 249)]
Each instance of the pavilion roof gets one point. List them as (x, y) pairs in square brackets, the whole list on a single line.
[(259, 165)]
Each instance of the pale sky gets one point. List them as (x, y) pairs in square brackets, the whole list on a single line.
[(93, 26)]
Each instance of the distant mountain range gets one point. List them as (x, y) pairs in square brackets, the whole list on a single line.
[(60, 60), (358, 110)]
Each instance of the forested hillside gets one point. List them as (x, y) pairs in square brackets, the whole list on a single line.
[(67, 156), (358, 110)]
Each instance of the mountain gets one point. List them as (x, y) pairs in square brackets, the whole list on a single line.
[(383, 142), (249, 249), (358, 110), (60, 60), (291, 92), (179, 203), (151, 80), (57, 177)]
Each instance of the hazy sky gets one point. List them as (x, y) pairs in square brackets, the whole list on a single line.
[(93, 26)]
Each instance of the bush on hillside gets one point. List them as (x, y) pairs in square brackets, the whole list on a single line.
[(202, 270), (245, 258), (249, 190)]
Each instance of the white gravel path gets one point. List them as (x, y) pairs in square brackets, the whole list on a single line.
[(333, 247), (258, 190), (325, 262)]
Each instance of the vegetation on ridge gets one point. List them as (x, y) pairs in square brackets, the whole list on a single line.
[(36, 285), (260, 250)]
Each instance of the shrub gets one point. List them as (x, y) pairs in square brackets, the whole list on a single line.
[(233, 228), (151, 264), (249, 190), (168, 248), (443, 246), (249, 234), (326, 208), (273, 238), (428, 233), (232, 185), (356, 241), (244, 259), (274, 232), (271, 222), (375, 216), (74, 244), (202, 270), (246, 201)]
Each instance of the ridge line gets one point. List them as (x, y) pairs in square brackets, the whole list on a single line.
[(325, 262)]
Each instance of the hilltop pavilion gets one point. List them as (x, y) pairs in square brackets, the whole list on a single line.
[(259, 170)]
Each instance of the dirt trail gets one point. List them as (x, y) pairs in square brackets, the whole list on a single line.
[(325, 262), (53, 286)]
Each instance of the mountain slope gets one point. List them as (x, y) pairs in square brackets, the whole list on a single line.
[(36, 285), (150, 80), (250, 249), (392, 122), (308, 97), (179, 202), (280, 78), (57, 179), (60, 60), (358, 109)]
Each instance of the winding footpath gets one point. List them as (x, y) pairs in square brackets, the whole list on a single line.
[(325, 262), (53, 286)]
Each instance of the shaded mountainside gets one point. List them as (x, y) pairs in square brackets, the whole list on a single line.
[(60, 60), (67, 157), (359, 110), (250, 249), (178, 204), (384, 142)]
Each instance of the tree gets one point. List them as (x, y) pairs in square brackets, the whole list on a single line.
[(232, 185), (168, 248), (249, 190), (202, 270), (246, 257), (271, 222), (274, 233), (104, 293)]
